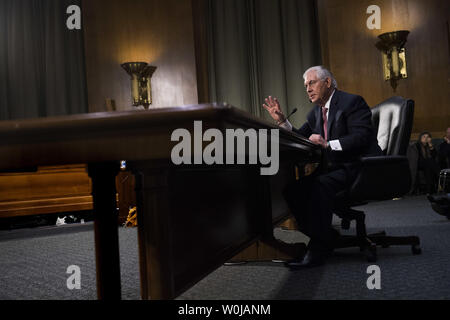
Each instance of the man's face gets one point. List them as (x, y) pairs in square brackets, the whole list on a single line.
[(318, 90), (448, 133)]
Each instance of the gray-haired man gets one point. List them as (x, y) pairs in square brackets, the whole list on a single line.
[(341, 124)]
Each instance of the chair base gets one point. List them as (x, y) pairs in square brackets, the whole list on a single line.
[(368, 243)]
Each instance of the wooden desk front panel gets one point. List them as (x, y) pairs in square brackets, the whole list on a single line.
[(214, 215), (216, 212)]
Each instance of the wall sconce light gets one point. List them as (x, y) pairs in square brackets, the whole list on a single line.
[(392, 47), (141, 89)]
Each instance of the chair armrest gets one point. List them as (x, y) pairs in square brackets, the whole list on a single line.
[(383, 160), (382, 178)]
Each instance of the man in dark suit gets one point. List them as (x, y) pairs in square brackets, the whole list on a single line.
[(341, 124), (444, 151)]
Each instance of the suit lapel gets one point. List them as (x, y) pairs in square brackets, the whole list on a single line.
[(333, 110)]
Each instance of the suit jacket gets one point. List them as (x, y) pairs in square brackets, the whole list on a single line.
[(350, 122), (444, 155)]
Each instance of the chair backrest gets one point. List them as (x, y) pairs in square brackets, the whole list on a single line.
[(393, 120)]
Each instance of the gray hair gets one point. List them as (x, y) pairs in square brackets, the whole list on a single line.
[(322, 74)]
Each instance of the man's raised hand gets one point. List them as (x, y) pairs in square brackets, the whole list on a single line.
[(273, 107)]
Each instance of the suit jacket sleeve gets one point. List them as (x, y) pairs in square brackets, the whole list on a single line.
[(306, 130), (359, 126)]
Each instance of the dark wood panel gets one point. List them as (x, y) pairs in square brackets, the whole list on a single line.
[(349, 50), (153, 31), (222, 215)]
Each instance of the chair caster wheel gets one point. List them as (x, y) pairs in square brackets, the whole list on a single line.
[(416, 250)]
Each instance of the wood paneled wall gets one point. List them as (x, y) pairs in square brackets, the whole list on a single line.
[(349, 50), (159, 32)]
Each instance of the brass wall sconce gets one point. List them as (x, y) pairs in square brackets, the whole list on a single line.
[(392, 47), (141, 89)]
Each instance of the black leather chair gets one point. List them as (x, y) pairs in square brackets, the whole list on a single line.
[(381, 178)]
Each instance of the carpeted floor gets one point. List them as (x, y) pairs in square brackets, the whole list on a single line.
[(33, 264)]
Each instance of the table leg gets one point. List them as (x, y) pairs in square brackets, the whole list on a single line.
[(103, 177)]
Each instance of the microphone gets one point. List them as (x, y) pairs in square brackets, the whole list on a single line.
[(289, 115), (292, 112)]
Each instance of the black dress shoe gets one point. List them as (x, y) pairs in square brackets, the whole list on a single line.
[(296, 260), (312, 259)]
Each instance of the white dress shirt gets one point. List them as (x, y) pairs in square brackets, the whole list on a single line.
[(335, 145)]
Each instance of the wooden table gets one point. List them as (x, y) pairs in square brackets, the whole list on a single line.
[(191, 218)]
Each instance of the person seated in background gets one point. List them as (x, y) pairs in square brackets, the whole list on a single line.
[(444, 151), (427, 161)]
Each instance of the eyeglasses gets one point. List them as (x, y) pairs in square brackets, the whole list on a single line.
[(312, 82)]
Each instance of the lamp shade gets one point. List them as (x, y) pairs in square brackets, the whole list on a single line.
[(134, 68), (394, 39), (141, 74)]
